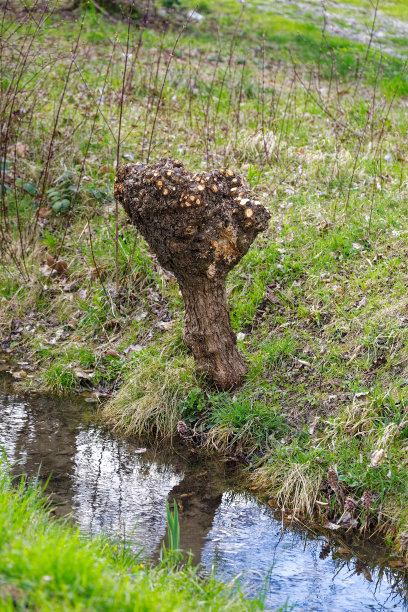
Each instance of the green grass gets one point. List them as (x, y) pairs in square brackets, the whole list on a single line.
[(319, 302), (46, 564)]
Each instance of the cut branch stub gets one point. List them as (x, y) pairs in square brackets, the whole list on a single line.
[(199, 226)]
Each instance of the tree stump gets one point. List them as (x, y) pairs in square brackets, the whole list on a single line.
[(200, 226)]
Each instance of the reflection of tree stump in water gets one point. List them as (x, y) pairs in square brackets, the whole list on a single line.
[(197, 499)]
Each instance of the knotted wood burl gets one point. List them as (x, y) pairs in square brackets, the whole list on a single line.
[(200, 226)]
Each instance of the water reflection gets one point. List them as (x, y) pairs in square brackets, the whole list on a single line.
[(120, 492), (300, 572), (108, 485)]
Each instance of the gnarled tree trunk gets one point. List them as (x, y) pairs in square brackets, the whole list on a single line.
[(199, 226), (207, 330)]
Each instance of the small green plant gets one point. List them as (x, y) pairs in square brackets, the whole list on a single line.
[(193, 405), (59, 377), (62, 193), (245, 422), (173, 555), (65, 190), (254, 174), (173, 527)]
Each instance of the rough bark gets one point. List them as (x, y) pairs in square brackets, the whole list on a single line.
[(199, 226)]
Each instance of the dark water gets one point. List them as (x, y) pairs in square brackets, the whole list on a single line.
[(110, 485)]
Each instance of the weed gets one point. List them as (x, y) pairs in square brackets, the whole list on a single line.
[(243, 423), (60, 378)]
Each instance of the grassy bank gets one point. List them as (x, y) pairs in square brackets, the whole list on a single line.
[(48, 565), (319, 303)]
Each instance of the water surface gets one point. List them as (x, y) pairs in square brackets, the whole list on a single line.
[(120, 487)]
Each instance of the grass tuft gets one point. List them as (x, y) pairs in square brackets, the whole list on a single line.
[(149, 400)]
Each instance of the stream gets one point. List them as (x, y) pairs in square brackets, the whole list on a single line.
[(120, 487)]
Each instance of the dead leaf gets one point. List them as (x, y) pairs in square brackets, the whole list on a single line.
[(397, 563), (133, 348), (166, 325), (20, 148), (304, 362), (97, 272), (377, 457), (19, 375), (82, 374), (112, 353), (49, 259), (331, 526), (43, 212), (345, 517), (59, 265), (357, 246), (362, 303)]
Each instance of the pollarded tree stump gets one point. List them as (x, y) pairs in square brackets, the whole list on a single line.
[(199, 226)]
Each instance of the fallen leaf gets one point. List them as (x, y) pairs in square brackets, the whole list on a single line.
[(166, 325), (82, 374), (133, 348), (21, 149), (97, 272), (362, 303), (304, 362), (397, 563), (357, 246), (112, 353), (331, 526), (59, 265), (49, 259), (20, 374), (43, 212), (345, 518), (377, 457)]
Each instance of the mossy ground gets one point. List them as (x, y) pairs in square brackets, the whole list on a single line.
[(319, 302)]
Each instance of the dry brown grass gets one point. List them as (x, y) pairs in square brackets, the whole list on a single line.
[(149, 402)]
